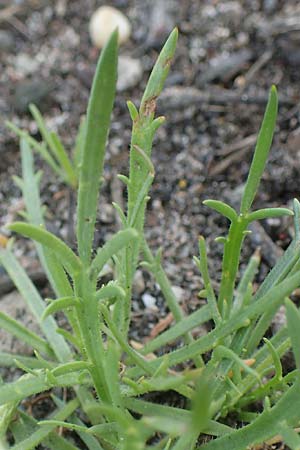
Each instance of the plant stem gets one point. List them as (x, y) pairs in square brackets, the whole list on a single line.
[(231, 257)]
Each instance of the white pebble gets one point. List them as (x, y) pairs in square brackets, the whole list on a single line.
[(104, 21), (130, 72), (178, 292), (149, 301)]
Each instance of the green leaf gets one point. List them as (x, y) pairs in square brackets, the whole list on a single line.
[(269, 212), (111, 248), (290, 437), (158, 76), (28, 385), (296, 208), (98, 120), (37, 146), (68, 258), (201, 403), (141, 200), (24, 334), (43, 432), (60, 304), (246, 280), (262, 149), (186, 324), (7, 413), (155, 266), (35, 303), (265, 426), (166, 425), (293, 324), (30, 190), (62, 156), (72, 366), (9, 360), (26, 426), (56, 147), (222, 208), (56, 274), (276, 360), (90, 441), (203, 267), (111, 290), (79, 145), (239, 320)]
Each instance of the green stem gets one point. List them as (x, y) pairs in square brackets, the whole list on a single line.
[(169, 296), (231, 257), (90, 326)]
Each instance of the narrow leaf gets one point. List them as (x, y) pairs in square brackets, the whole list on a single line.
[(51, 264), (269, 212), (42, 432), (59, 305), (62, 156), (68, 258), (28, 385), (37, 146), (109, 291), (158, 76), (222, 208), (35, 303), (293, 324), (98, 119), (56, 147), (112, 247), (186, 324), (261, 152), (24, 334)]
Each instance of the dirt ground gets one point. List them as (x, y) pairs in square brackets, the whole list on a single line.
[(229, 53)]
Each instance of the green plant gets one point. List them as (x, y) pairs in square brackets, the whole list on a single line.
[(106, 378)]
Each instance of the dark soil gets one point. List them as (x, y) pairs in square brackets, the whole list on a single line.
[(229, 53)]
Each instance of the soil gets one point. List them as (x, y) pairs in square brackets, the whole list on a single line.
[(229, 53)]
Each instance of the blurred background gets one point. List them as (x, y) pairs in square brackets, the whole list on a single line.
[(228, 55)]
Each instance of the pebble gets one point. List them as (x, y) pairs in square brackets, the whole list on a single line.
[(104, 21), (138, 282), (7, 42), (14, 306), (179, 293), (30, 91), (149, 301), (293, 141), (25, 64), (130, 72), (270, 6), (107, 213)]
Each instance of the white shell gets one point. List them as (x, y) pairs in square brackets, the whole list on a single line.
[(104, 21)]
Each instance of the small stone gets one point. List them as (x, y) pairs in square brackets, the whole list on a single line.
[(69, 38), (270, 6), (130, 72), (7, 42), (293, 141), (104, 21), (31, 91), (149, 301), (138, 282), (178, 292), (25, 64), (107, 213), (15, 306)]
